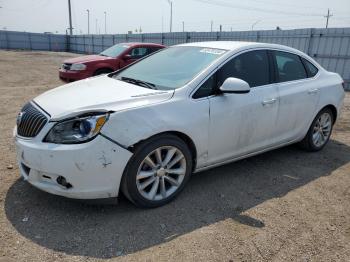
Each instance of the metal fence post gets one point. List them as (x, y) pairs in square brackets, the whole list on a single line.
[(7, 40), (84, 45), (92, 44), (49, 38), (309, 44), (30, 41)]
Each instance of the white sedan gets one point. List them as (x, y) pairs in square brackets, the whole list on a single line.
[(144, 129)]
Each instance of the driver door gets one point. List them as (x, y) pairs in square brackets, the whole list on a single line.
[(243, 123)]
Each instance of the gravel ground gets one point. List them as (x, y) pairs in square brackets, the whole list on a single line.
[(284, 205)]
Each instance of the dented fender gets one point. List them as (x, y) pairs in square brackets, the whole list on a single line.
[(187, 116)]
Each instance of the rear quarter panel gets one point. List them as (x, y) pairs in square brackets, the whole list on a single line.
[(331, 91)]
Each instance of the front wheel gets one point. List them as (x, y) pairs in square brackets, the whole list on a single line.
[(157, 172), (319, 132)]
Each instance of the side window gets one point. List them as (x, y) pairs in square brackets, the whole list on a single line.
[(153, 49), (138, 52), (289, 67), (206, 89), (310, 68), (252, 67)]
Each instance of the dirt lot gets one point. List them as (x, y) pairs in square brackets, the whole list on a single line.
[(285, 205)]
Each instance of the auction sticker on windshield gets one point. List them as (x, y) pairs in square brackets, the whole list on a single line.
[(212, 51)]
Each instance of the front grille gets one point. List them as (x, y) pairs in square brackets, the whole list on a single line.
[(30, 121), (66, 66)]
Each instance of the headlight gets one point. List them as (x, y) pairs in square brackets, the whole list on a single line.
[(77, 67), (77, 130)]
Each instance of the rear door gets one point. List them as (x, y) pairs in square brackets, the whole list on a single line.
[(298, 95)]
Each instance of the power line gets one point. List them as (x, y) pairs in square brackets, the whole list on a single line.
[(256, 9)]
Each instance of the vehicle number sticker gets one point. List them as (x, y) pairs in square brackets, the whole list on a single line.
[(212, 51)]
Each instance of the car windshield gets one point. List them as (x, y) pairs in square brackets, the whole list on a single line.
[(170, 68), (115, 50)]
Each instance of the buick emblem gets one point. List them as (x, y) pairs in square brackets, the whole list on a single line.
[(19, 118)]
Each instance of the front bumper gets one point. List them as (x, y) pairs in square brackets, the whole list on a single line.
[(68, 75), (94, 169)]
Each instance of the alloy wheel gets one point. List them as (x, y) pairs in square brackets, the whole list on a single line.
[(322, 129), (161, 173)]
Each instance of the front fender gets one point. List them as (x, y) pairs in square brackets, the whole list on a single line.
[(189, 117)]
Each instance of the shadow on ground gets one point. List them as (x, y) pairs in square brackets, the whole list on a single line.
[(225, 192)]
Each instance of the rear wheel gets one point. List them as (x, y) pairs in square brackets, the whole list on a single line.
[(158, 171), (319, 132)]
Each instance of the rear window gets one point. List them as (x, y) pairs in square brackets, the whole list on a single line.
[(289, 67), (310, 68)]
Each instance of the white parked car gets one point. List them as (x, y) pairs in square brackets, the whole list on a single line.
[(144, 129)]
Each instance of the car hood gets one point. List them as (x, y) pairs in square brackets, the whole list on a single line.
[(87, 58), (97, 94)]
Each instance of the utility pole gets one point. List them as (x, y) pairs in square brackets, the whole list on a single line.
[(105, 22), (162, 24), (70, 18), (328, 16), (183, 26), (171, 15), (88, 13), (211, 25)]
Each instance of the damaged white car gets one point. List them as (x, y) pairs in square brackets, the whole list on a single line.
[(144, 129)]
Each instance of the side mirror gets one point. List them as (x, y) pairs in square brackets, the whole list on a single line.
[(127, 57), (235, 86)]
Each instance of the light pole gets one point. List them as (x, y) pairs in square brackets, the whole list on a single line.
[(105, 22), (171, 15), (96, 27), (183, 26), (254, 24), (88, 14), (70, 18)]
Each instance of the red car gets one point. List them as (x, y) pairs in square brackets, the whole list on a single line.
[(111, 59)]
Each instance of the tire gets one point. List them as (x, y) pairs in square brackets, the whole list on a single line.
[(102, 71), (308, 143), (137, 183)]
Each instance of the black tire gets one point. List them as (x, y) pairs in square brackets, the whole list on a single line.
[(129, 184), (307, 143), (102, 71)]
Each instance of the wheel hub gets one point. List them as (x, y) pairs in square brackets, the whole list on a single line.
[(161, 172)]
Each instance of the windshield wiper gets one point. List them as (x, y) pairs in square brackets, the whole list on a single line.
[(102, 54), (138, 82)]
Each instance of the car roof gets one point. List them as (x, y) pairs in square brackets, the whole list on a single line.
[(236, 45), (141, 44)]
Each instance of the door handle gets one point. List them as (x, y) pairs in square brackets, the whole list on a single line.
[(312, 91), (269, 102)]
